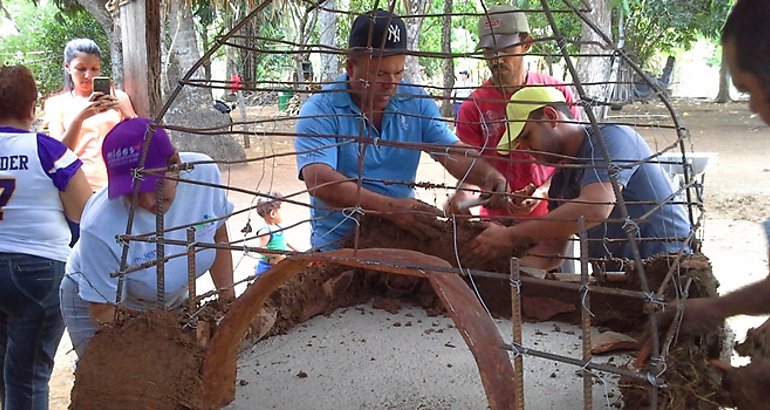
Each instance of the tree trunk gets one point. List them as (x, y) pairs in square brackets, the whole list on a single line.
[(724, 84), (596, 69), (97, 8), (192, 107), (328, 28), (447, 108), (413, 26)]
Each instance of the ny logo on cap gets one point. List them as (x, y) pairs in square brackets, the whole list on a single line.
[(394, 33)]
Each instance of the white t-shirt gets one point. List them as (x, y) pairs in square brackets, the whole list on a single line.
[(34, 169), (98, 253)]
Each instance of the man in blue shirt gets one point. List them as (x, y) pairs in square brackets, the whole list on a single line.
[(540, 121), (370, 113)]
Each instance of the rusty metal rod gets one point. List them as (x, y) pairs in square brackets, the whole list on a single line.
[(191, 270), (518, 362), (585, 313), (160, 251), (648, 377), (651, 297)]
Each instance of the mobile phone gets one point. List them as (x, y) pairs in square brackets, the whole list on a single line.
[(102, 85)]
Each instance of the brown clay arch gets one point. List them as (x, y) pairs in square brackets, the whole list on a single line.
[(474, 324)]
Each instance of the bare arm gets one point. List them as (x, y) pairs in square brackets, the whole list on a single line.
[(705, 314), (336, 190), (125, 106), (753, 299), (595, 203), (545, 255), (76, 195), (222, 269), (262, 239)]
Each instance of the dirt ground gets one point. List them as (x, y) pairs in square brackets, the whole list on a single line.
[(736, 195)]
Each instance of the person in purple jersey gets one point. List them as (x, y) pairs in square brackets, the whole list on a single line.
[(40, 182)]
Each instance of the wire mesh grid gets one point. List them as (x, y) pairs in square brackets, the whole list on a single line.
[(270, 137)]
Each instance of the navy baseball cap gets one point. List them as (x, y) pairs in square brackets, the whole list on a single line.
[(380, 32)]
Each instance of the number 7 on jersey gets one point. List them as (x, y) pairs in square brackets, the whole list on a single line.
[(7, 186)]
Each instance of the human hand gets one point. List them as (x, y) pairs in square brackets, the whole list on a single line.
[(415, 217), (452, 206), (698, 316), (522, 202), (747, 386), (494, 242), (99, 103), (496, 190)]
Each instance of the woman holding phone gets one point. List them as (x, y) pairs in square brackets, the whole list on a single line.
[(80, 115)]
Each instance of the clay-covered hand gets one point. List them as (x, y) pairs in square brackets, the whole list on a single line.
[(698, 316), (452, 204), (416, 217), (495, 188), (494, 242), (523, 202), (747, 386)]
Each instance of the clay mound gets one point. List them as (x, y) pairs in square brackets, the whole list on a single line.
[(143, 361), (377, 232), (692, 382), (322, 288)]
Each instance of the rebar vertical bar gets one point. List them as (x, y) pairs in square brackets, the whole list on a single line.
[(585, 313), (518, 362), (160, 252), (191, 297)]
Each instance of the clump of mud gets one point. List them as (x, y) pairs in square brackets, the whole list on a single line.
[(143, 360), (691, 382)]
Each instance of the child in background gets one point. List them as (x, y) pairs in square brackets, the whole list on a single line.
[(271, 235)]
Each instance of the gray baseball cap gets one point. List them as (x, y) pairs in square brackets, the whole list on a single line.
[(500, 27)]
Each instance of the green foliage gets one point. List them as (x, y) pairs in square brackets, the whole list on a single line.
[(653, 26), (44, 30), (430, 39), (273, 66), (569, 25)]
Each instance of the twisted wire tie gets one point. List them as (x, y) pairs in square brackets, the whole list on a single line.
[(584, 289), (519, 350), (614, 169), (137, 174), (349, 213), (516, 284)]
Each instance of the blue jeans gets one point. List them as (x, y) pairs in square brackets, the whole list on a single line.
[(31, 327), (76, 315)]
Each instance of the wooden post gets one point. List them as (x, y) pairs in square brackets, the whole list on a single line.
[(140, 32)]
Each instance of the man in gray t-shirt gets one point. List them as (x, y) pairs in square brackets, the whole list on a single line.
[(540, 121), (645, 185)]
